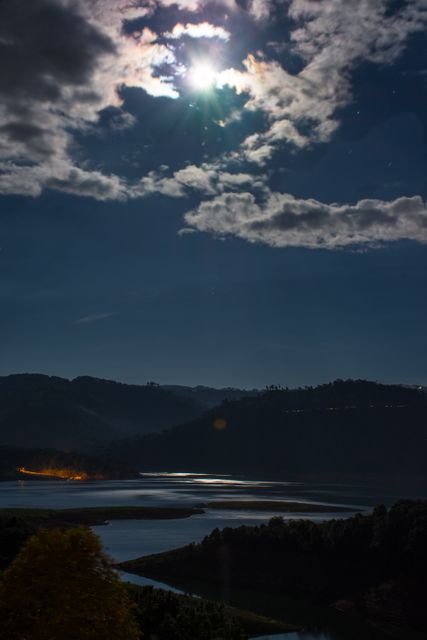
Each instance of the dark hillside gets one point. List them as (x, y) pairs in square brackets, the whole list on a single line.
[(209, 397), (44, 411), (346, 429)]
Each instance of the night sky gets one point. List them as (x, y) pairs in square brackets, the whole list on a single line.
[(220, 193)]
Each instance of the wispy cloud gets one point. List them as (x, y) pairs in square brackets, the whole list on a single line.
[(207, 179), (332, 37), (96, 317)]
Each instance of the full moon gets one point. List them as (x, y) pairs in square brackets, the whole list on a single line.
[(202, 76)]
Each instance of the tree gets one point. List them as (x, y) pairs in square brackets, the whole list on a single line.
[(61, 586), (13, 533)]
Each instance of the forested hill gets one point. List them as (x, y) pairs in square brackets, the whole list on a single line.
[(343, 429), (45, 411), (373, 566)]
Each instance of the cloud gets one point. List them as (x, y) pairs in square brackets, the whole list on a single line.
[(93, 184), (282, 220), (331, 37), (292, 103), (207, 180), (228, 180), (135, 9), (94, 318), (199, 178), (122, 120), (64, 61), (46, 78), (195, 5), (61, 65), (184, 5), (31, 180), (200, 30), (139, 58), (260, 9), (156, 182)]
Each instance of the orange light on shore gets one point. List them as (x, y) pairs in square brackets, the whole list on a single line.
[(61, 474)]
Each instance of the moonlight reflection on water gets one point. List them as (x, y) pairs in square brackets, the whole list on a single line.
[(127, 539)]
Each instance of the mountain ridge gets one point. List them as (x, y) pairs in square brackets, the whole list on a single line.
[(84, 412), (344, 429)]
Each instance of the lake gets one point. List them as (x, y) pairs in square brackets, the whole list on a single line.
[(128, 539)]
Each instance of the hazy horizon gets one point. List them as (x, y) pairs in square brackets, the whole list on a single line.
[(242, 387)]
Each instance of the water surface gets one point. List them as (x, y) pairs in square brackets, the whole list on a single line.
[(129, 539)]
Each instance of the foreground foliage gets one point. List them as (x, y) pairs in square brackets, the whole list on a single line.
[(14, 531), (164, 615), (62, 586)]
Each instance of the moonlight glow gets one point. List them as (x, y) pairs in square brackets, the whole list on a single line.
[(202, 76)]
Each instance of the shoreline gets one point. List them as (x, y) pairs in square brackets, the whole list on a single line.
[(279, 506), (94, 516)]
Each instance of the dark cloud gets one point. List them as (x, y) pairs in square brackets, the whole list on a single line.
[(49, 55), (90, 184), (44, 48)]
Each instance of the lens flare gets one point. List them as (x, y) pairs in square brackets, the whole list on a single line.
[(220, 424)]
